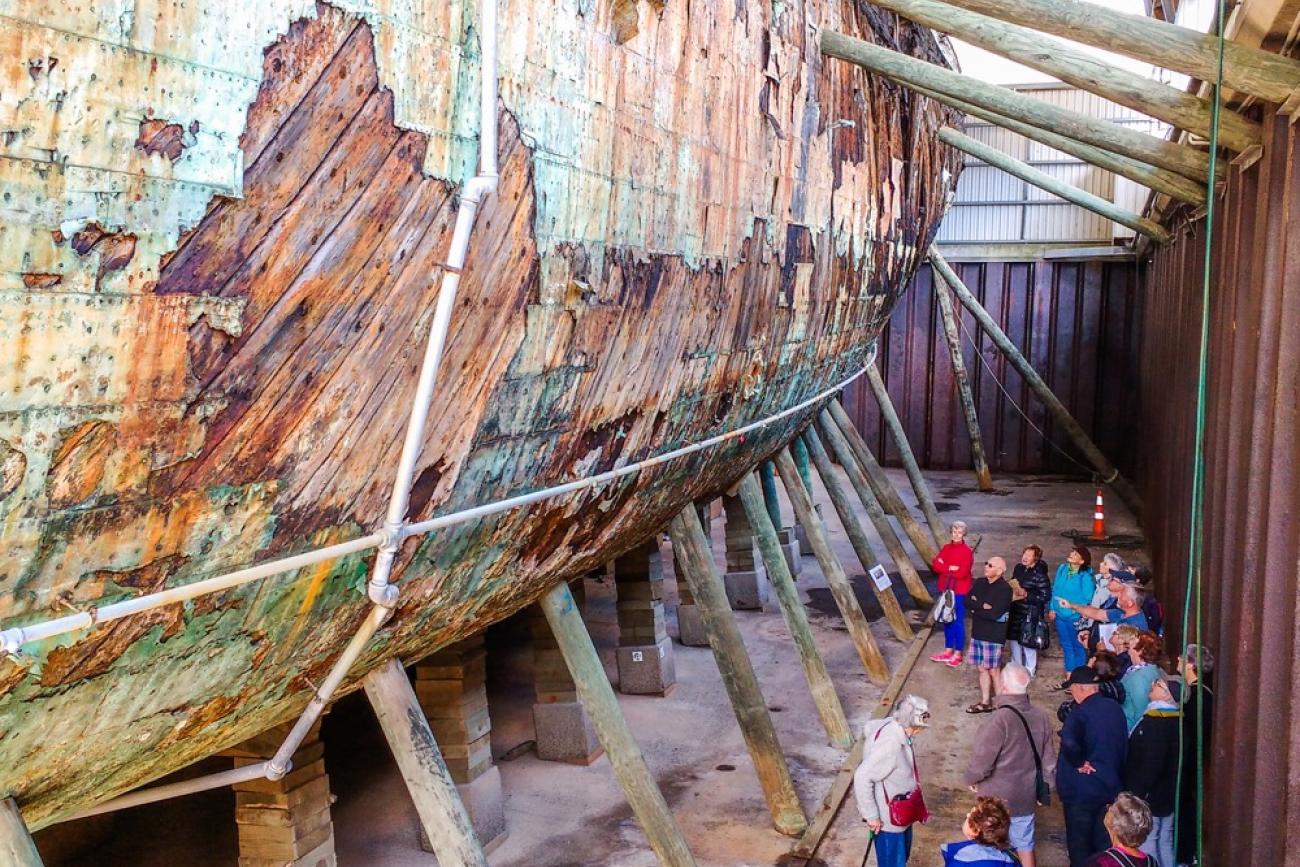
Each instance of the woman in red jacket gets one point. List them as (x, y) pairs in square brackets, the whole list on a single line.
[(953, 566)]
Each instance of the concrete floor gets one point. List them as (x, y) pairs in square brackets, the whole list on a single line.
[(562, 815)]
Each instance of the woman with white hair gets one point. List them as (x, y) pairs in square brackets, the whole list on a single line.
[(953, 566), (887, 785)]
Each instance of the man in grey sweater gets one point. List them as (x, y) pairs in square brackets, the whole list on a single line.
[(1002, 759)]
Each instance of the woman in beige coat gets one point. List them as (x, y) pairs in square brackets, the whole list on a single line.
[(888, 769)]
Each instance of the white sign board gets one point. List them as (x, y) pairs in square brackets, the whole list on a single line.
[(881, 577)]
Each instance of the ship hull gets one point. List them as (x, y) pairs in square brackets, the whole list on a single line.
[(687, 238)]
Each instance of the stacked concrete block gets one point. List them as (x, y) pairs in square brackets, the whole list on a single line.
[(690, 625), (285, 822), (790, 548), (452, 688), (561, 725), (746, 578), (645, 653)]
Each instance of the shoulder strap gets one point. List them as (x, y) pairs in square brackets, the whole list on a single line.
[(1118, 855), (1038, 762)]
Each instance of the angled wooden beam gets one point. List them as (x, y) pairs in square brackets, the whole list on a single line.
[(1055, 186), (1086, 71), (857, 535), (1260, 73), (820, 684), (913, 469), (912, 71), (951, 336), (1160, 180), (882, 487), (634, 777), (737, 672), (1108, 472), (16, 845), (873, 662), (839, 446)]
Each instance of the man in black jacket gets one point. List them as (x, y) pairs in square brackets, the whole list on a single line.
[(989, 603), (1151, 767)]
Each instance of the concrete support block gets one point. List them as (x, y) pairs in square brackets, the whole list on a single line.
[(690, 626), (647, 669), (286, 822), (791, 549), (746, 578), (747, 591), (485, 802), (564, 733), (801, 535)]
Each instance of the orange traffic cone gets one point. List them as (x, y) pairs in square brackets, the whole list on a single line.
[(1098, 520)]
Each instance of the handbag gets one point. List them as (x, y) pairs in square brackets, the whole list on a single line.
[(905, 810), (1042, 791), (1034, 633), (945, 609)]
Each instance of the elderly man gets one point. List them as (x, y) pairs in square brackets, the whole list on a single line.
[(1089, 771), (1013, 750), (1128, 610), (990, 608)]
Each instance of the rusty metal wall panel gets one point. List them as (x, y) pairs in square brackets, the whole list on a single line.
[(1252, 490), (1077, 323)]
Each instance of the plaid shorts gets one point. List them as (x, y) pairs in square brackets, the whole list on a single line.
[(984, 654)]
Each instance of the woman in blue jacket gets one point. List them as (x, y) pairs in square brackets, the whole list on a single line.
[(1073, 583)]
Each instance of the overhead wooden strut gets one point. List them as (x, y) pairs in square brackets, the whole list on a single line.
[(914, 72)]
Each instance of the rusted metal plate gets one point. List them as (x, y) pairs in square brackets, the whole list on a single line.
[(209, 360), (1078, 323), (1251, 484)]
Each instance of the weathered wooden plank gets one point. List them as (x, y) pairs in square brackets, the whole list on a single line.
[(738, 677), (625, 757), (1056, 187), (873, 662), (1101, 133)]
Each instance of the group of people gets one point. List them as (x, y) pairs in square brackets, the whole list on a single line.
[(1130, 722)]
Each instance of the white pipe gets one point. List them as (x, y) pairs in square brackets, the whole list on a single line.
[(12, 639), (174, 790), (474, 194)]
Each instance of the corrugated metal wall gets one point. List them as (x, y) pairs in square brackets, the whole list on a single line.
[(1077, 323), (1252, 488), (992, 206)]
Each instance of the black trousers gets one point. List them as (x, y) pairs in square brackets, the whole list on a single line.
[(1085, 835)]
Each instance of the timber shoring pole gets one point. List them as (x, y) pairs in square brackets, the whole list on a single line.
[(882, 487), (899, 433), (737, 672), (857, 536), (767, 475), (442, 815), (858, 479), (964, 393), (634, 777), (826, 700), (842, 591), (16, 845), (913, 71), (1161, 180), (1078, 436), (1083, 70), (1056, 187), (1273, 77)]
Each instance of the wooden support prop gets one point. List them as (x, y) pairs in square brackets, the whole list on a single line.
[(767, 475), (950, 333), (896, 430), (625, 757), (1260, 73), (886, 495), (1160, 180), (1109, 474), (17, 849), (1056, 187), (1103, 134), (442, 815), (801, 461), (820, 684), (873, 662), (830, 806), (737, 673), (1086, 71), (857, 536), (858, 479)]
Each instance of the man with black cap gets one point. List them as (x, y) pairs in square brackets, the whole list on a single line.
[(1089, 772)]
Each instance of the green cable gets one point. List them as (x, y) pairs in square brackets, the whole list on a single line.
[(1197, 518)]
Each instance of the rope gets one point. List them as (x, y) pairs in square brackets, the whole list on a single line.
[(1196, 520), (998, 382)]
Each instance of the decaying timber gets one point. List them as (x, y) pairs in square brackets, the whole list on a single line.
[(220, 252)]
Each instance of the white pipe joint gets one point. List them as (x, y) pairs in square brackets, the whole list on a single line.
[(278, 770), (12, 641)]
